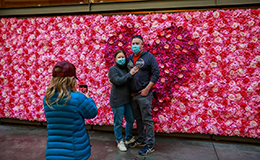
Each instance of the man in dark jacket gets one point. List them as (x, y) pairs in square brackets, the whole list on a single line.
[(141, 91)]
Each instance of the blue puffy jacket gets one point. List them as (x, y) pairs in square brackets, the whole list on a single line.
[(67, 136)]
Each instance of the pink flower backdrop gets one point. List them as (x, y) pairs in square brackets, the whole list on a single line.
[(209, 65)]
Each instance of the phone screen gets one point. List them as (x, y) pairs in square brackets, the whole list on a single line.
[(83, 88)]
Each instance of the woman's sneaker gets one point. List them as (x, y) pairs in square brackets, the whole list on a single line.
[(135, 143), (121, 146), (146, 150), (130, 141)]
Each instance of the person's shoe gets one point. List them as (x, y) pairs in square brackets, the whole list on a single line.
[(135, 143), (146, 150), (121, 146), (130, 141)]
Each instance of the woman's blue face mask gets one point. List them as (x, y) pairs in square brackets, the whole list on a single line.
[(120, 61)]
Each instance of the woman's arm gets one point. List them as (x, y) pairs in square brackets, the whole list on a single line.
[(116, 79)]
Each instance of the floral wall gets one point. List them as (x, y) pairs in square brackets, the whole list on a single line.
[(209, 64)]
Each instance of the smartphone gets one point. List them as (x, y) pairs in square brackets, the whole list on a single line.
[(83, 88)]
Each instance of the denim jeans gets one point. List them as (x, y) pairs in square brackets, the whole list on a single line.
[(119, 113)]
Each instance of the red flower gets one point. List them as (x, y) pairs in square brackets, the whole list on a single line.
[(251, 45), (211, 30), (251, 70), (246, 80), (225, 102), (243, 105), (176, 86), (243, 93)]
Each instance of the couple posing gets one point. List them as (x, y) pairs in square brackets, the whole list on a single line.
[(131, 96)]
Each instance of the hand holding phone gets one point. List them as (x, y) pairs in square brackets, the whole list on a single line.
[(84, 89)]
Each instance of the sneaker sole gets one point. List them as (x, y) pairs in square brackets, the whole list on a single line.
[(142, 145), (132, 146), (143, 154)]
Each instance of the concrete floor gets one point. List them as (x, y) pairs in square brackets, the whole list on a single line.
[(21, 142)]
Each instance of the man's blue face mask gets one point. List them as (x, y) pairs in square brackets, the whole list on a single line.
[(136, 48), (120, 61)]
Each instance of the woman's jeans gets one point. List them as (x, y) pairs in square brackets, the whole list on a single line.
[(119, 112)]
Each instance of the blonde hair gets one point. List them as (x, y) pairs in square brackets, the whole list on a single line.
[(62, 85)]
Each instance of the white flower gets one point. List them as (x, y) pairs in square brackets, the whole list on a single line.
[(215, 89), (209, 112), (216, 14), (157, 41), (186, 118), (231, 97), (16, 67), (40, 70), (199, 119), (53, 42), (137, 25), (161, 118), (254, 84), (202, 98), (75, 47), (4, 36), (251, 23), (97, 47), (205, 25), (240, 72), (188, 17), (248, 109), (257, 58), (2, 61), (253, 123), (22, 90), (250, 89), (82, 57), (164, 17), (103, 37), (202, 50), (211, 84), (4, 94), (236, 132), (19, 31), (214, 106), (235, 25), (120, 44), (218, 40), (78, 70), (154, 25), (213, 64), (194, 94), (232, 72), (20, 71), (163, 80), (180, 75), (218, 57), (239, 96), (195, 35), (254, 39), (182, 106), (215, 33), (203, 74)]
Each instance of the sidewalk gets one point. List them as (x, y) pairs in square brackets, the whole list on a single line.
[(21, 142)]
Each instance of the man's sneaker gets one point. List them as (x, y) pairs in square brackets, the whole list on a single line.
[(135, 143), (130, 141), (146, 150), (121, 146)]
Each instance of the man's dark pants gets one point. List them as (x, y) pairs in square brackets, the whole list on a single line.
[(141, 106)]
